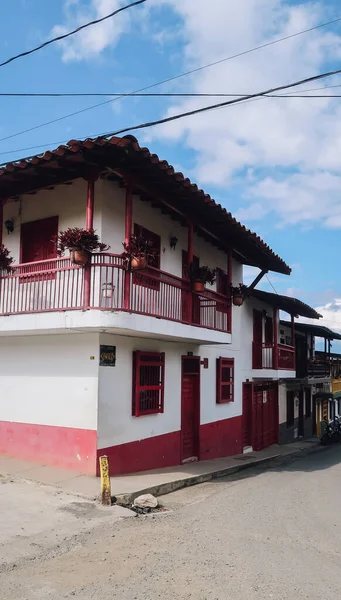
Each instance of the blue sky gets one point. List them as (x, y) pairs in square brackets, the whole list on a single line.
[(274, 163)]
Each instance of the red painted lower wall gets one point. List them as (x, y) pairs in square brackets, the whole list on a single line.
[(221, 438), (65, 447), (152, 453)]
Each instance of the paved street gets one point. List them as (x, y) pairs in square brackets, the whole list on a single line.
[(273, 534)]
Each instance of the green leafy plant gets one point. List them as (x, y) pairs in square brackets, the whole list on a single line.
[(76, 238), (138, 247), (203, 274), (6, 260)]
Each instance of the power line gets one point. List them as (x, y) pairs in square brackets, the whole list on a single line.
[(165, 95), (148, 87), (223, 104), (66, 35), (246, 98)]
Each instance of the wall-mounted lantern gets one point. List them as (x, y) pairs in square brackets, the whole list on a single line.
[(9, 226), (173, 240)]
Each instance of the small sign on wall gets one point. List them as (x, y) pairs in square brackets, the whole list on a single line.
[(107, 356)]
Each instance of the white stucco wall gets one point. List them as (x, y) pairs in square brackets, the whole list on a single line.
[(116, 425), (68, 202), (49, 380)]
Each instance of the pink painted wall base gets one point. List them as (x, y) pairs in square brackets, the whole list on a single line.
[(65, 447)]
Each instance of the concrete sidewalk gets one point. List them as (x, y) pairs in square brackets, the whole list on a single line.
[(159, 482)]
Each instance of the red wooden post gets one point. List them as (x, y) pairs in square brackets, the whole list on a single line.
[(275, 355), (89, 223), (229, 289), (1, 218), (190, 254), (127, 234), (293, 342)]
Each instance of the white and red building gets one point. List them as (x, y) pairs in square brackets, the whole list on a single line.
[(99, 360)]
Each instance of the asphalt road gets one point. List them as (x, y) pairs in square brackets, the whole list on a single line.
[(273, 533)]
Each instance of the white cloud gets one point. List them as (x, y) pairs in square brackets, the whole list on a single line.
[(90, 42), (265, 134), (331, 313)]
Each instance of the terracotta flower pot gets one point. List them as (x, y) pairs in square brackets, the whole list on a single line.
[(79, 257), (198, 286), (238, 300), (138, 262)]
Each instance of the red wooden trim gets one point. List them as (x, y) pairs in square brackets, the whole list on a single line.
[(229, 267), (1, 219), (90, 202), (127, 234), (275, 327), (197, 406), (140, 359), (293, 341), (224, 363)]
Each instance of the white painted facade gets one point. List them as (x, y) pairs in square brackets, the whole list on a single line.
[(49, 362)]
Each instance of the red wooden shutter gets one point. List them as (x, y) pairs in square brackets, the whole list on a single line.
[(225, 380), (36, 240), (148, 383), (269, 330)]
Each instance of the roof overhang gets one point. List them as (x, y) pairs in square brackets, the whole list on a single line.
[(315, 330), (287, 304), (154, 179)]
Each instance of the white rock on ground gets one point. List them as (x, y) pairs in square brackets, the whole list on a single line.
[(145, 501)]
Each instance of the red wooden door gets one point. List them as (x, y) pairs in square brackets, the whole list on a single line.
[(36, 240), (190, 407), (247, 414), (264, 416)]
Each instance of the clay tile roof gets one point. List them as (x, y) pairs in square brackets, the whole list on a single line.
[(17, 178)]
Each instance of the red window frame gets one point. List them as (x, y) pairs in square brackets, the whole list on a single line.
[(225, 380), (148, 278), (148, 383)]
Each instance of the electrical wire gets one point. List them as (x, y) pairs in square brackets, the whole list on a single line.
[(247, 98), (222, 104), (169, 79), (171, 95), (66, 35)]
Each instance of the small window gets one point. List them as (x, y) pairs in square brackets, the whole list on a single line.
[(148, 383), (290, 408), (225, 380)]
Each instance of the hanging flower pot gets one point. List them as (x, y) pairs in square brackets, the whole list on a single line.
[(238, 300), (238, 294), (79, 257), (138, 262), (80, 242), (198, 286)]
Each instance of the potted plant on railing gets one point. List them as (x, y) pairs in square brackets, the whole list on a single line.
[(137, 251), (238, 294), (6, 260), (200, 276), (80, 242)]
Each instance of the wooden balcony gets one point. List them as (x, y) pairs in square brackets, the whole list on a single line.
[(267, 356), (105, 284)]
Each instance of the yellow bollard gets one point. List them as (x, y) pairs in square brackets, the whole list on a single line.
[(105, 480)]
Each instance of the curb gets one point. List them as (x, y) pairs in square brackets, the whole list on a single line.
[(172, 486)]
